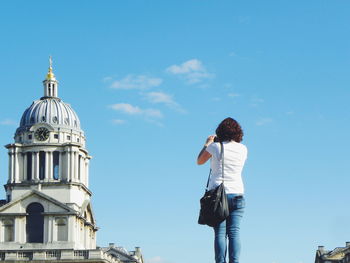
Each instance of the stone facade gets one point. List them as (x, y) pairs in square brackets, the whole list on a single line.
[(47, 214)]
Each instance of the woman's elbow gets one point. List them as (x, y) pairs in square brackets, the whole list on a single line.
[(200, 162)]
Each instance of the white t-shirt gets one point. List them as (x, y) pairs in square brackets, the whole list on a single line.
[(235, 155)]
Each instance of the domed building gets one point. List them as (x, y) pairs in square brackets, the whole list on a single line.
[(47, 214)]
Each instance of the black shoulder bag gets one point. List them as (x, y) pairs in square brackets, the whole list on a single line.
[(214, 205)]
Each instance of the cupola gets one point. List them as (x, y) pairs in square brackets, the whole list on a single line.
[(50, 83)]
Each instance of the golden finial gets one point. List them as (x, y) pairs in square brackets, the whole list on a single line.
[(50, 74)]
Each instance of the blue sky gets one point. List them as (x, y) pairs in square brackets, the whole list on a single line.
[(150, 80)]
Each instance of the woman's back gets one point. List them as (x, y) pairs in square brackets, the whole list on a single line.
[(235, 155)]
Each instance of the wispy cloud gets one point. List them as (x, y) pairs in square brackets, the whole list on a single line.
[(263, 121), (157, 259), (233, 95), (232, 54), (163, 98), (255, 102), (135, 110), (8, 122), (192, 70), (140, 82)]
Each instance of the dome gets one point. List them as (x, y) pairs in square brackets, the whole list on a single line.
[(52, 111)]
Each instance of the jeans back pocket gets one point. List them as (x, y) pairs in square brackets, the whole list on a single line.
[(238, 202)]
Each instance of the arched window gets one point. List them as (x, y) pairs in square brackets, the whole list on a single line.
[(42, 165), (56, 163), (35, 223), (29, 166), (9, 233), (62, 229)]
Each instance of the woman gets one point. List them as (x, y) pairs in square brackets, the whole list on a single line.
[(230, 133)]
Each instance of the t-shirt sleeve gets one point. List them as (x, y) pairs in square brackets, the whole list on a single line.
[(212, 149)]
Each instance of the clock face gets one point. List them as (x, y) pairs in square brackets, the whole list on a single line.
[(42, 134)]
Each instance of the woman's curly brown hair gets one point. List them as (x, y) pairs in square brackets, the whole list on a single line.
[(228, 130)]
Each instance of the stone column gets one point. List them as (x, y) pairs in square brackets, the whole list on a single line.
[(50, 166), (24, 166), (16, 166), (87, 172), (35, 167), (82, 169), (71, 161), (47, 166), (81, 172), (10, 179), (76, 166), (67, 168)]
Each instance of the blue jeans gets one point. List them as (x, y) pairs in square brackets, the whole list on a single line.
[(229, 229)]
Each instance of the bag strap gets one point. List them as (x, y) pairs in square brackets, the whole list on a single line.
[(222, 166), (222, 161)]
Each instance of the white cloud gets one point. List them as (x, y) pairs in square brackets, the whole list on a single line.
[(8, 122), (135, 110), (126, 108), (192, 70), (160, 97), (189, 66), (140, 82), (263, 121), (118, 121), (163, 98)]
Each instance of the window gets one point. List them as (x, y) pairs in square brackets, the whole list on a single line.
[(35, 223), (78, 140), (55, 136), (29, 166), (56, 163), (42, 165), (9, 230), (29, 136), (68, 137), (62, 229)]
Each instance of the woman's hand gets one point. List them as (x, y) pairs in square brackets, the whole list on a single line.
[(210, 140)]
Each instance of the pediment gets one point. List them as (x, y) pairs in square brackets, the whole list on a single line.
[(87, 212), (50, 204)]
